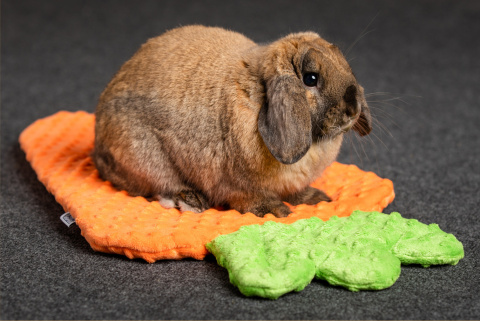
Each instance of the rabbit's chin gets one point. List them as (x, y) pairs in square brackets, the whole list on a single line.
[(345, 128), (332, 134), (338, 128)]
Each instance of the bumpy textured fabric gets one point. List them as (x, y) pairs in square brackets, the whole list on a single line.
[(360, 252), (58, 148)]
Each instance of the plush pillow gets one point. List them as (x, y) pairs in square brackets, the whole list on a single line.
[(58, 148), (363, 251)]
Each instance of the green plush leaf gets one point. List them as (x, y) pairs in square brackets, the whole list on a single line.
[(361, 252)]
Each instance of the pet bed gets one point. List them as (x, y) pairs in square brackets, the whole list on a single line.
[(58, 148)]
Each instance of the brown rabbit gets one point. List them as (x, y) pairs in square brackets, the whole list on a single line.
[(203, 117)]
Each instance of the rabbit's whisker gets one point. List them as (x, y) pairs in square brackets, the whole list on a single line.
[(362, 35)]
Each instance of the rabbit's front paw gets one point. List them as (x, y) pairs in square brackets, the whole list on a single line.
[(309, 196), (275, 207)]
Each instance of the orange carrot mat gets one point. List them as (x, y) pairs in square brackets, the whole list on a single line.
[(58, 148)]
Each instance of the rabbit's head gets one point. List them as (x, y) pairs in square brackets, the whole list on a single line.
[(311, 96)]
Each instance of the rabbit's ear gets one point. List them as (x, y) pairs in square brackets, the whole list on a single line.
[(284, 121), (363, 126)]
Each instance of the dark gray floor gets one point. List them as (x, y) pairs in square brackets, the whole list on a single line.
[(423, 54)]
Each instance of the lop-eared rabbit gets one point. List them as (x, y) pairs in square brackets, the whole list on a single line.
[(203, 117)]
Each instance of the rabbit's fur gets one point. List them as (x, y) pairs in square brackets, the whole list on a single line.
[(203, 117)]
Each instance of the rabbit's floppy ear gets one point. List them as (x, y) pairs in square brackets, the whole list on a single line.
[(363, 126), (284, 121)]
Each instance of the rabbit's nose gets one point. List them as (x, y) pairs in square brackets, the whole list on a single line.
[(350, 98)]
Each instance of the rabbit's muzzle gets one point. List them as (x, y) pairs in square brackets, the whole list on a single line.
[(339, 116)]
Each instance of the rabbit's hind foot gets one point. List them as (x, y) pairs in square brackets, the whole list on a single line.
[(186, 200)]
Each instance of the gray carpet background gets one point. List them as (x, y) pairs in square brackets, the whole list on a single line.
[(421, 58)]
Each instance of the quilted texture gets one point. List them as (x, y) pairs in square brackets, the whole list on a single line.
[(360, 252), (58, 148)]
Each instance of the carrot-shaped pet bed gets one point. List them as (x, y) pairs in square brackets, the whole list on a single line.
[(58, 148)]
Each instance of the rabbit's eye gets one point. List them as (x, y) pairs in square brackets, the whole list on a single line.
[(310, 79)]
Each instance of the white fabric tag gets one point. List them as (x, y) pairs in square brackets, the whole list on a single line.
[(67, 219)]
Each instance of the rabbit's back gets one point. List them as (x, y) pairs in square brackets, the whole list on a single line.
[(182, 63), (164, 118)]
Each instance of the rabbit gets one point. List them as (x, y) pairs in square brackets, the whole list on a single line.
[(203, 117)]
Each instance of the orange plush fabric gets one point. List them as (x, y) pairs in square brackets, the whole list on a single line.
[(58, 148)]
